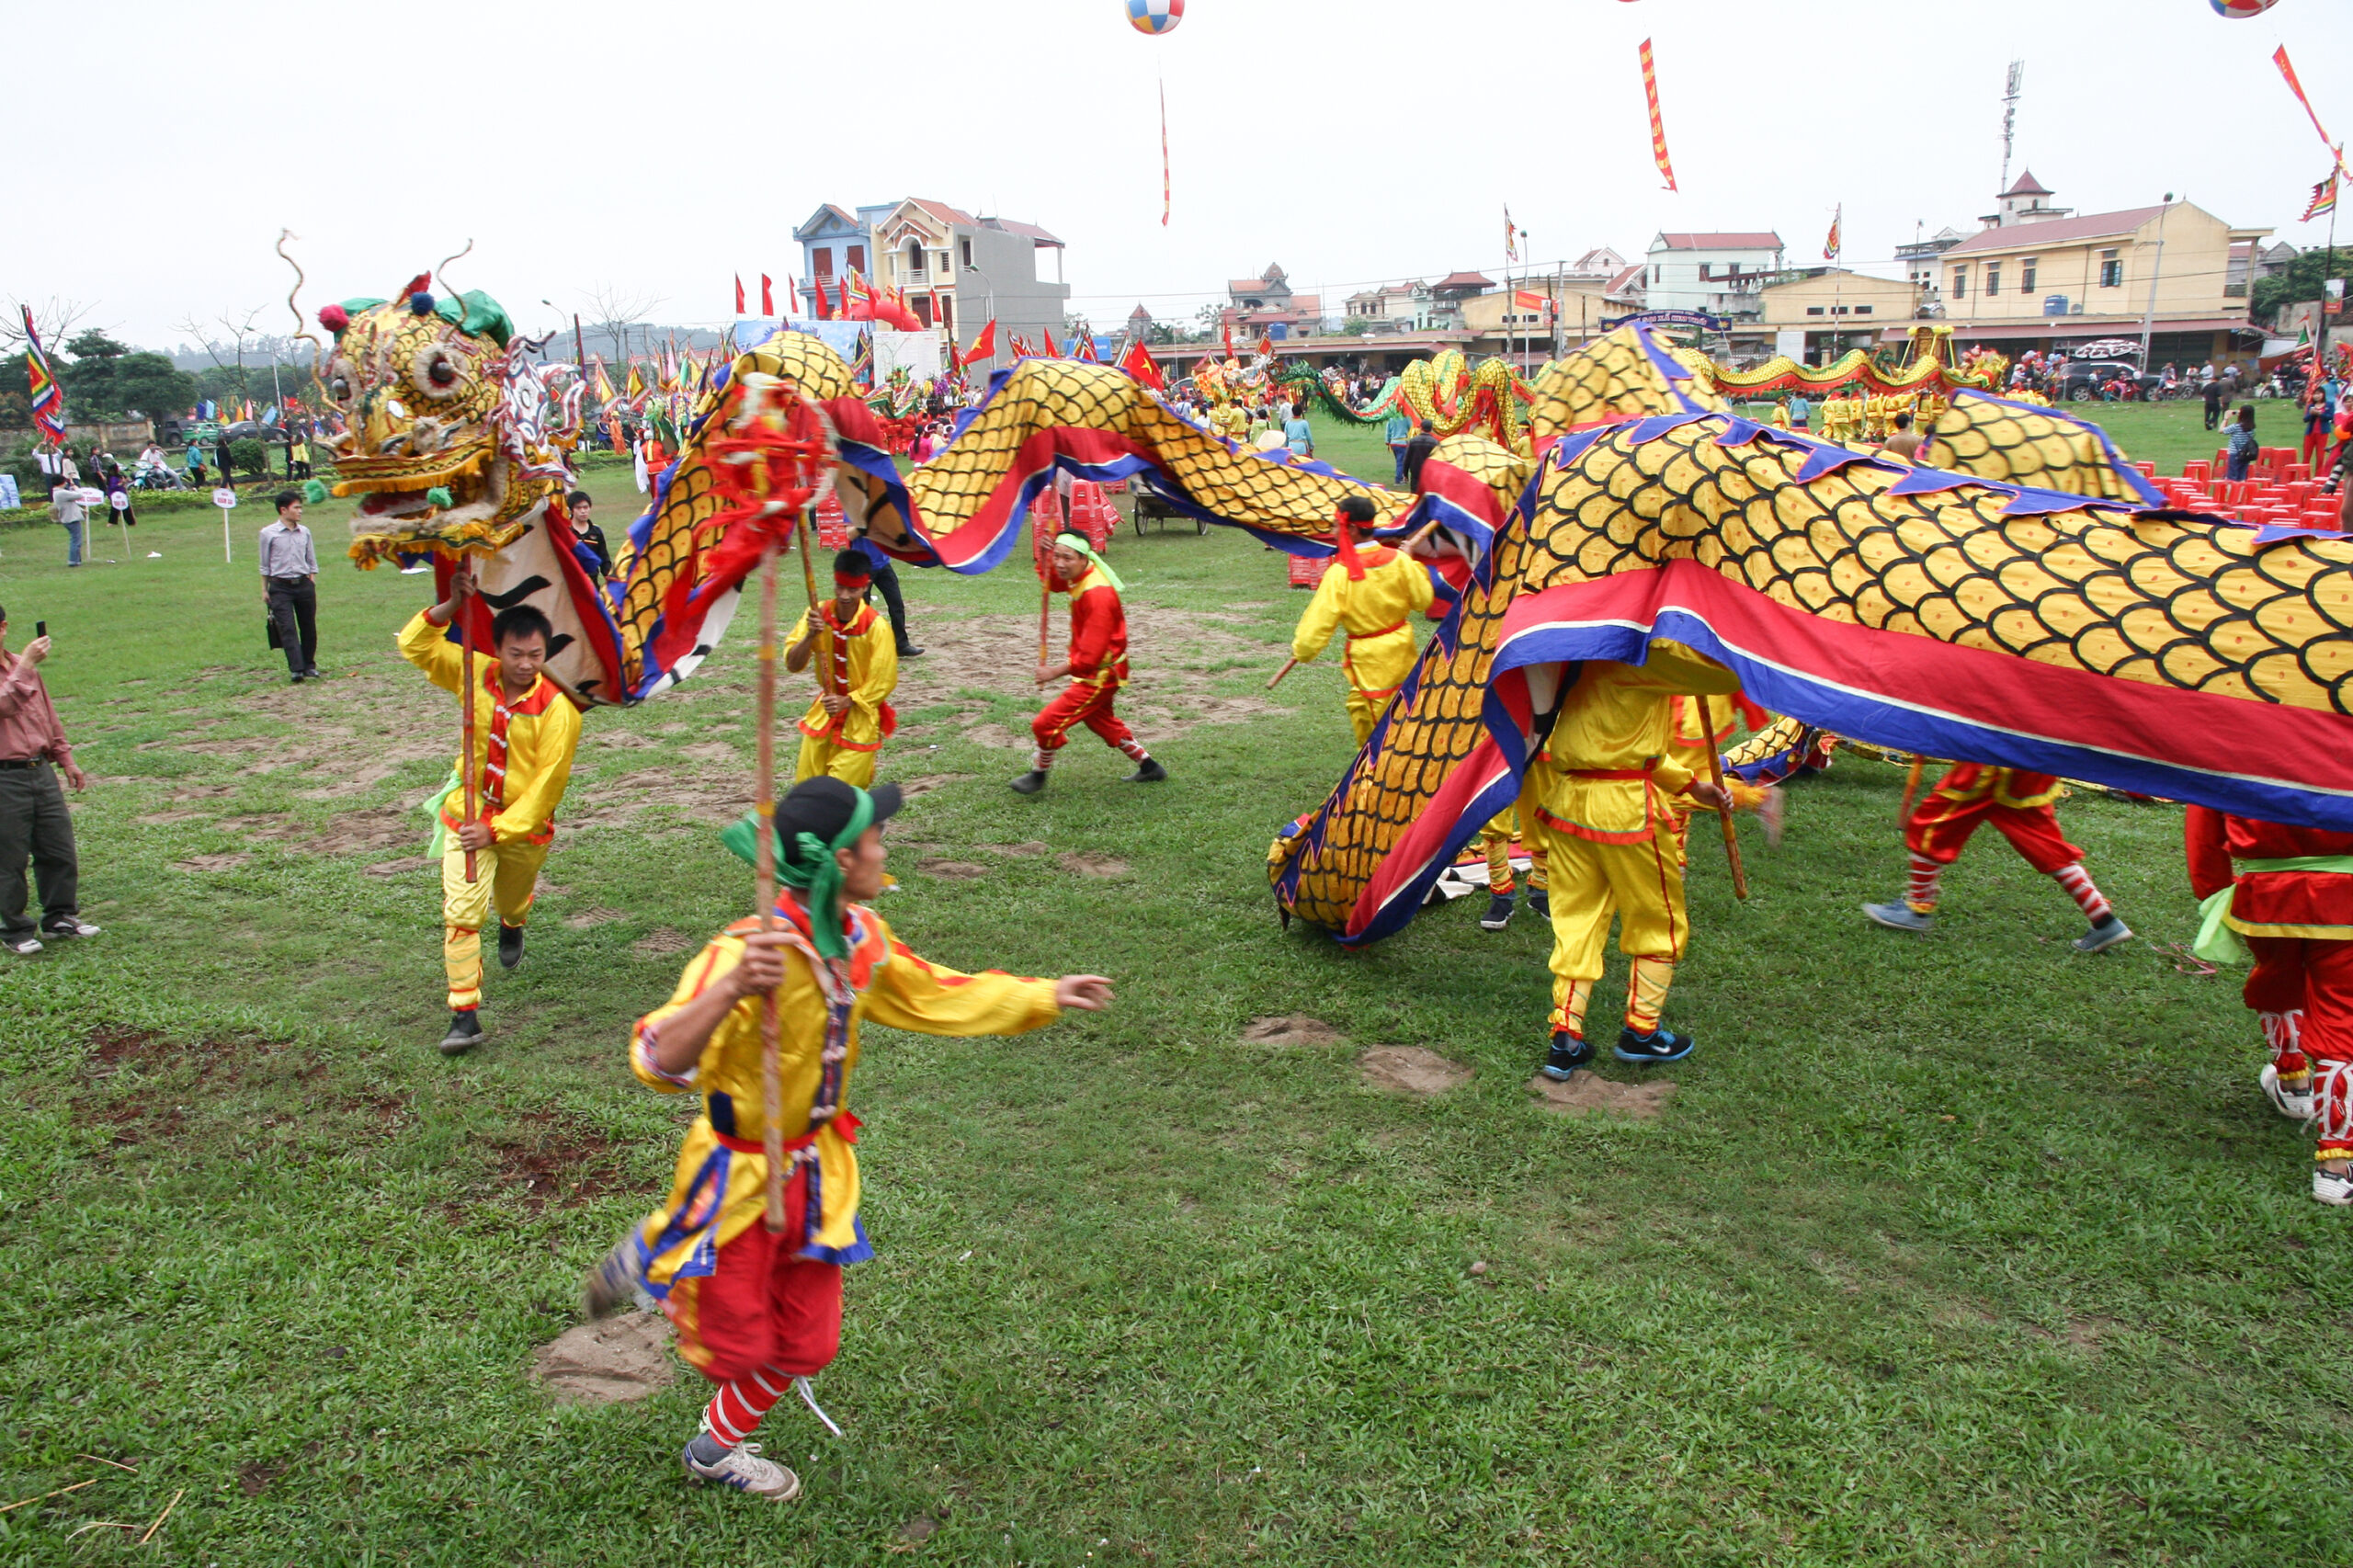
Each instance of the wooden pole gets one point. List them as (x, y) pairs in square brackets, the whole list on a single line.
[(466, 708), (1723, 804), (1045, 611), (764, 874), (1912, 786), (823, 656), (1289, 665)]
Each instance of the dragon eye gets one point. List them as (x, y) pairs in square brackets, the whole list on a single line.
[(339, 389), (442, 371)]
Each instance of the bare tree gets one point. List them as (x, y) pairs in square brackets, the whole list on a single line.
[(53, 318), (239, 325), (612, 310)]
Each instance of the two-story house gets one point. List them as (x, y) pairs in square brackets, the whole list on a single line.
[(2031, 280), (958, 271), (1719, 273)]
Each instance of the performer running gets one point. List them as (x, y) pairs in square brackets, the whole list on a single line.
[(759, 1311), (1603, 796), (851, 715), (2019, 804), (2290, 898), (524, 731), (1373, 592), (1097, 668)]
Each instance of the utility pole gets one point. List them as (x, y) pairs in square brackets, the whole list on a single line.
[(2328, 271), (2149, 317)]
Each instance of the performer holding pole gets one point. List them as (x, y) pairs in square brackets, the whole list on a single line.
[(520, 733), (1371, 592), (858, 668), (1097, 668), (764, 889), (759, 1312), (1603, 798)]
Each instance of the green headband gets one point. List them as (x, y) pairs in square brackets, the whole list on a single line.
[(1076, 544), (816, 873)]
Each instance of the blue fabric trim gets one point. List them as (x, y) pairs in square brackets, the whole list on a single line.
[(857, 1252)]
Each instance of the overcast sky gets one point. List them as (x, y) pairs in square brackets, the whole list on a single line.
[(662, 148)]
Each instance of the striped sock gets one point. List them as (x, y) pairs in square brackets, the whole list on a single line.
[(1041, 759), (1646, 982), (2079, 888), (2283, 1032), (1921, 892), (735, 1411), (1568, 1012), (1135, 749)]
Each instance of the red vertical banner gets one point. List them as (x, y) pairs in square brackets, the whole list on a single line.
[(1658, 124), (767, 296), (2287, 69)]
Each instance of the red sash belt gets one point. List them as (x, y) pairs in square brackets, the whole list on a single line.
[(1360, 636), (843, 1123)]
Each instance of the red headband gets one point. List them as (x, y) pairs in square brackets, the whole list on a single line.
[(1343, 530), (851, 579)]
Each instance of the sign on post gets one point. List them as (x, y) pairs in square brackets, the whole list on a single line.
[(225, 497)]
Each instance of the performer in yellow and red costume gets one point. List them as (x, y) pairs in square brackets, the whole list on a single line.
[(1370, 594), (1691, 746), (2285, 893), (524, 733), (758, 1310), (851, 715), (1603, 796), (2019, 805), (1097, 667)]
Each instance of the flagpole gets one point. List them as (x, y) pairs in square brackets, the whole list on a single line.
[(2328, 266)]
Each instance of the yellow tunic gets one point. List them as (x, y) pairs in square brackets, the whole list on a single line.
[(1616, 720), (533, 759), (1377, 614), (720, 1187)]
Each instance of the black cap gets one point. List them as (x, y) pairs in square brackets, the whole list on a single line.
[(823, 807)]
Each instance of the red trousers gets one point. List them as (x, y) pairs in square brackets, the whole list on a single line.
[(2311, 975), (763, 1307), (1965, 799), (1081, 703)]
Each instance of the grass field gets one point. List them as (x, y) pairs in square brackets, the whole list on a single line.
[(1955, 1250)]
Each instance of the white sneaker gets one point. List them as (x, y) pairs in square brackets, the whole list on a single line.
[(2293, 1104), (68, 925), (2335, 1190), (23, 947), (745, 1471)]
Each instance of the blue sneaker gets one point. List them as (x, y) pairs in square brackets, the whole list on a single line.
[(1539, 903), (1898, 916), (1568, 1053), (2104, 935), (1659, 1045), (1498, 913)]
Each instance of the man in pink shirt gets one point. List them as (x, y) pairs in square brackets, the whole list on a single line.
[(33, 819)]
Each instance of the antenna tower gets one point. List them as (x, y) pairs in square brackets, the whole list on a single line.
[(2010, 118)]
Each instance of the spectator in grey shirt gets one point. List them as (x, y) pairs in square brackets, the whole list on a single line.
[(289, 572)]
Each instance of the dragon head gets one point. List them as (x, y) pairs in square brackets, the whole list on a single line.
[(448, 439)]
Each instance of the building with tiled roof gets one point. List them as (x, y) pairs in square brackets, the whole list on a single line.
[(958, 271)]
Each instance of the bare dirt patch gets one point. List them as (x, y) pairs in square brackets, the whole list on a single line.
[(954, 871), (620, 1358), (593, 917), (397, 868), (1590, 1094), (1290, 1028), (545, 1158), (1020, 851), (1087, 863), (380, 829), (163, 819), (998, 737), (210, 863), (924, 783), (1410, 1069), (657, 943)]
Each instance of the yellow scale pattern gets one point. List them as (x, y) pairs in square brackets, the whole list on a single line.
[(1978, 434), (2187, 606)]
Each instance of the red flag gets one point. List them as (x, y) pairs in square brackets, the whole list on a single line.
[(1266, 345), (1522, 299), (1227, 329), (1658, 125), (2287, 70), (1164, 156), (983, 346), (1053, 352), (824, 305), (767, 298), (1138, 362), (739, 293)]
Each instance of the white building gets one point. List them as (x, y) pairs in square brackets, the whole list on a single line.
[(1719, 273)]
